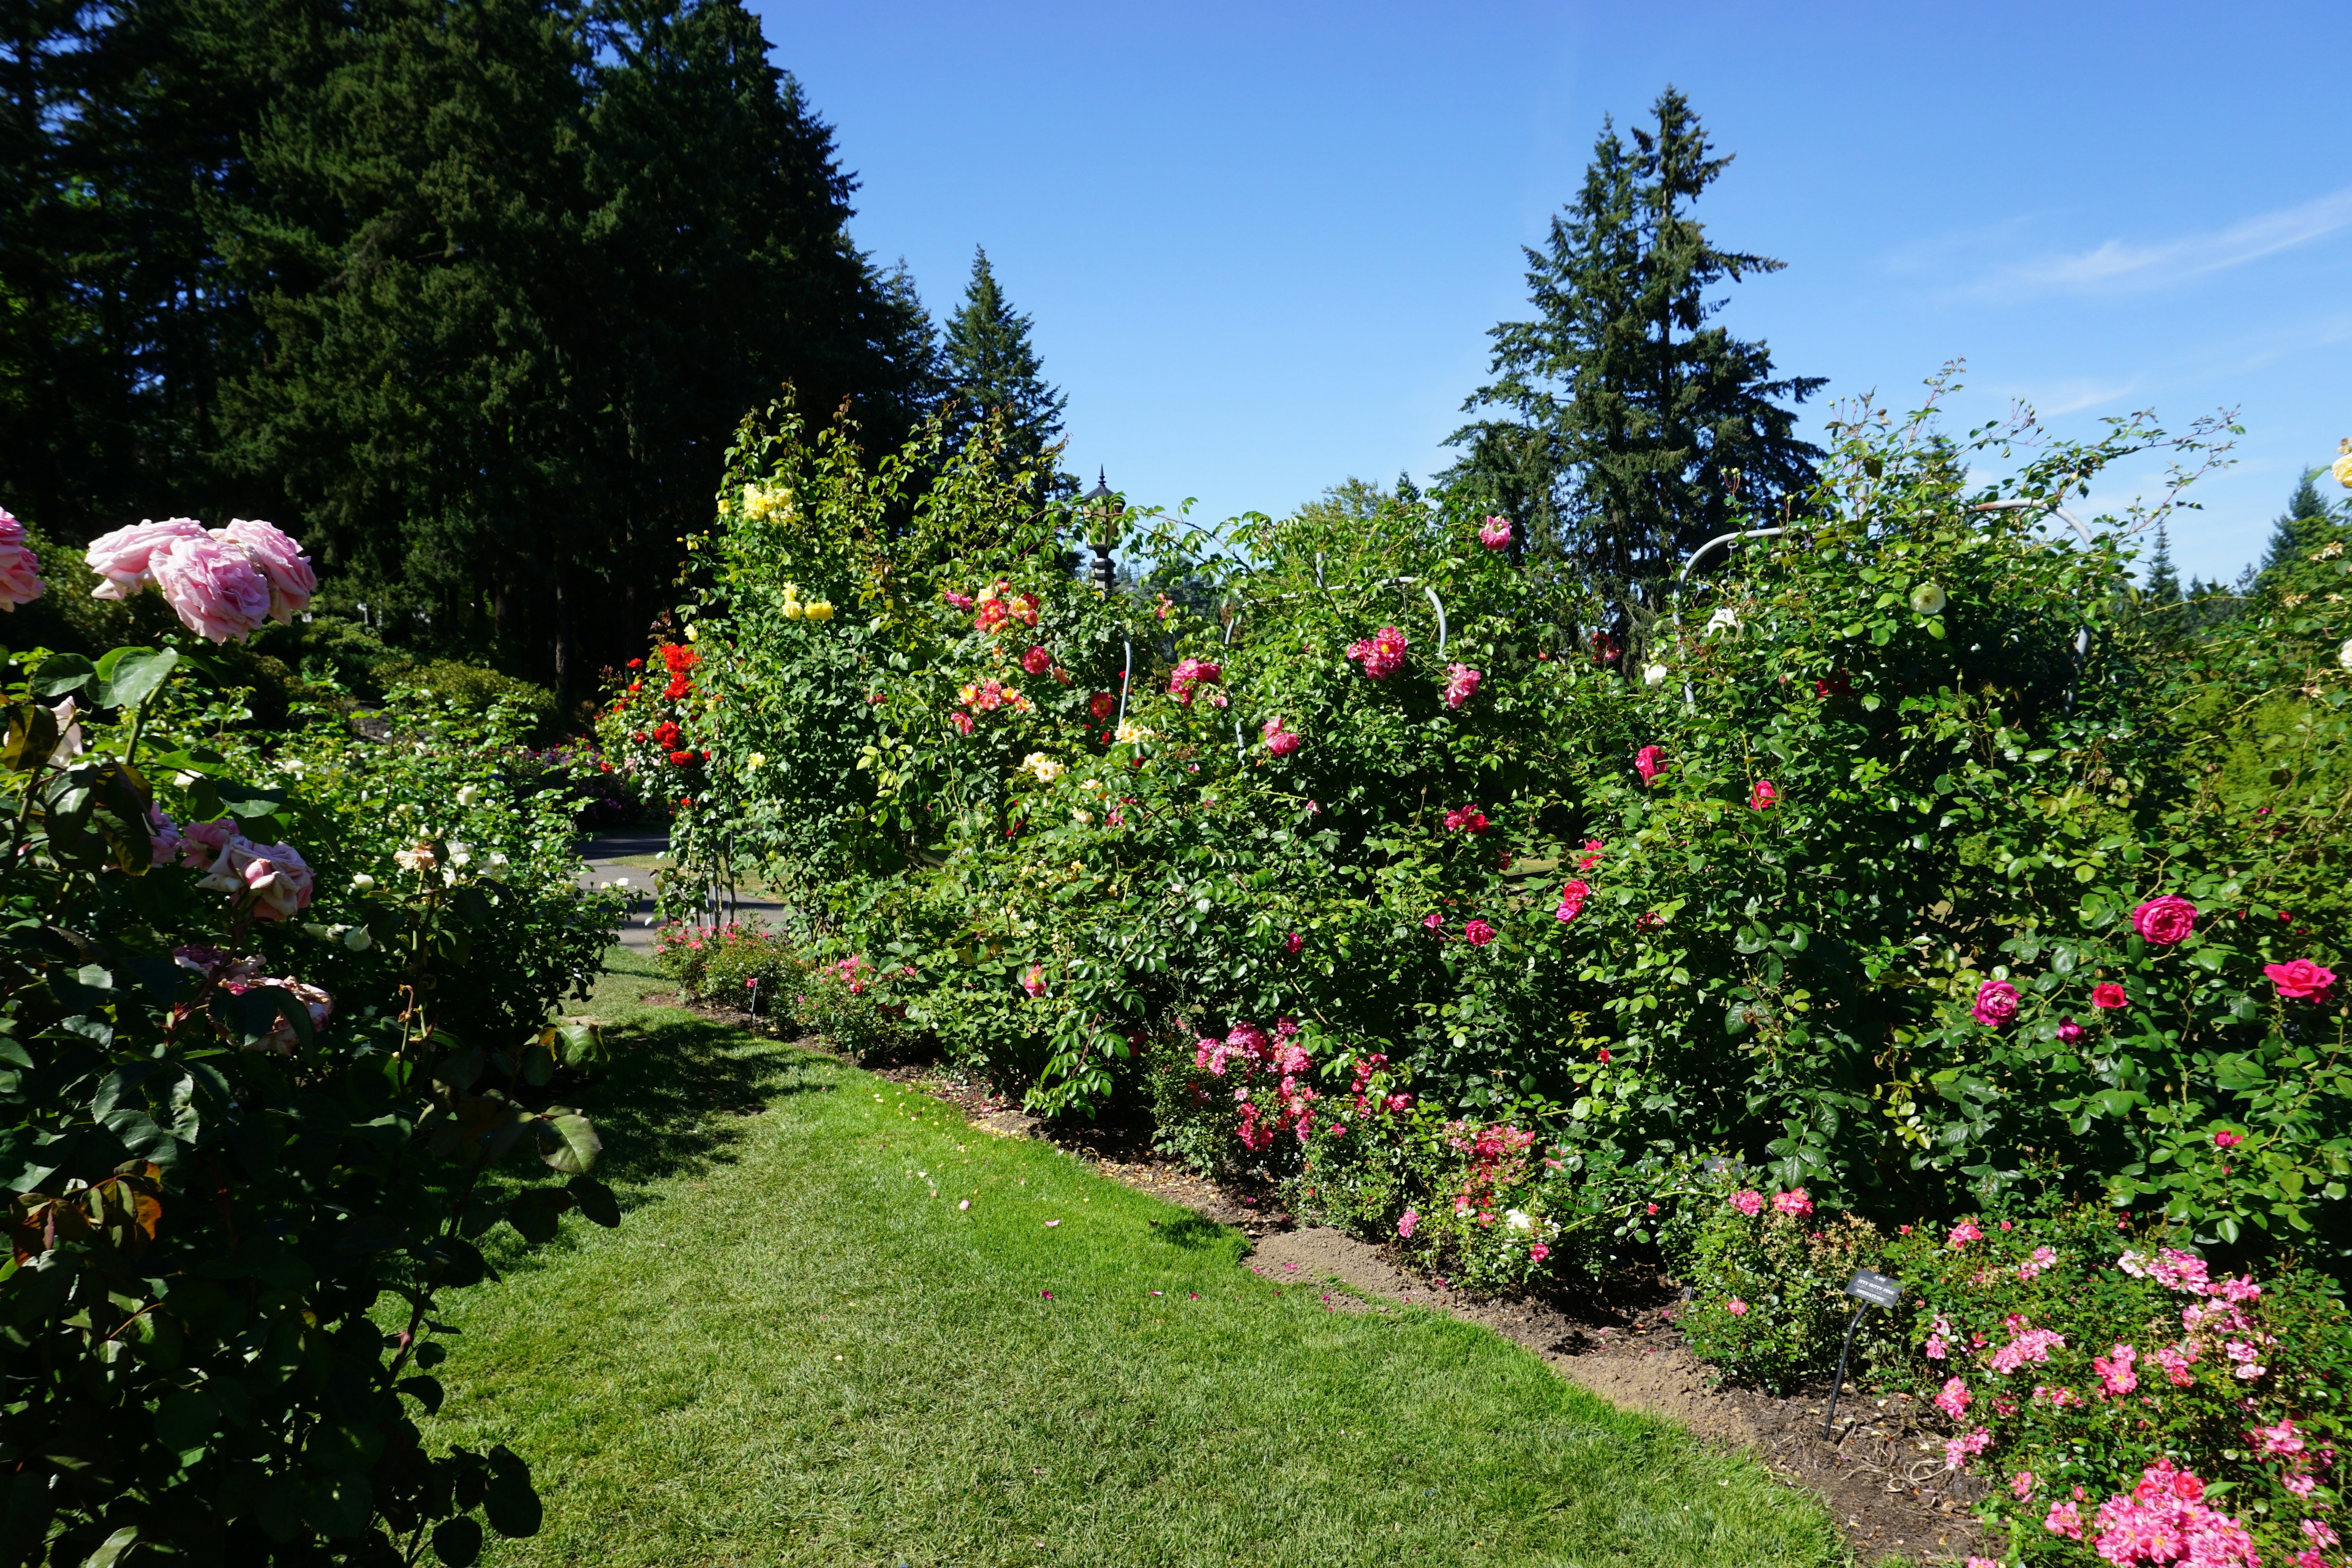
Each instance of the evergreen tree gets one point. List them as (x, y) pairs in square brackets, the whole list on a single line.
[(2293, 534), (2163, 581), (991, 371), (1627, 428)]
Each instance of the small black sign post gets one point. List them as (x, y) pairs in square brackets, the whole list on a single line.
[(1871, 1290)]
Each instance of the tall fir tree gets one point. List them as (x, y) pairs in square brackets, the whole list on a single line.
[(991, 371), (2293, 534), (1625, 428), (2163, 580)]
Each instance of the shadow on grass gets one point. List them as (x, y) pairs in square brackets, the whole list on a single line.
[(673, 1099), (1192, 1232)]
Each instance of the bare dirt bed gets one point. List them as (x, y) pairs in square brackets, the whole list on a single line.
[(1881, 1470)]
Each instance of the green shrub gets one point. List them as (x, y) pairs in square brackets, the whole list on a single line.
[(256, 1099)]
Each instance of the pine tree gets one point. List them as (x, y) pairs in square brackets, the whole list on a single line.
[(991, 371), (1631, 428), (2291, 534), (2163, 581)]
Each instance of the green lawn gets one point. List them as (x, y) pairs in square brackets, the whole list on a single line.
[(798, 1349)]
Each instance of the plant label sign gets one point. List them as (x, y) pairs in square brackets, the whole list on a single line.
[(1876, 1288)]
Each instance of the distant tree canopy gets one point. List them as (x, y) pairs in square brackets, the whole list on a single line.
[(1623, 430), (467, 294)]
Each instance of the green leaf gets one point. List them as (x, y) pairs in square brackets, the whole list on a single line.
[(426, 1390), (339, 1505), (568, 1143), (32, 736), (595, 1201), (458, 1541), (133, 674), (109, 1550), (61, 673)]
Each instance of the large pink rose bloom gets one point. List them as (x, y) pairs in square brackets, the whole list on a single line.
[(282, 562), (216, 591), (126, 558), (20, 570), (2165, 920)]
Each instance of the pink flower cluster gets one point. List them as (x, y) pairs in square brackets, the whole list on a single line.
[(1278, 740), (1466, 820), (1748, 1201), (221, 583), (20, 568), (2032, 1345), (1796, 1202), (2116, 1377), (1958, 1451), (1498, 1157), (1250, 1056), (2165, 1520), (1964, 1233), (1193, 674), (1461, 684), (1382, 653), (2043, 1256), (1495, 533)]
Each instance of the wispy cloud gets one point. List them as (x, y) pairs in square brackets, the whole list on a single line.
[(2119, 266)]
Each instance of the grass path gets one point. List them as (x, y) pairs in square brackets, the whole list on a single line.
[(799, 1349)]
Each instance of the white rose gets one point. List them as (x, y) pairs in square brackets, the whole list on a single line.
[(1928, 599), (358, 940), (361, 882), (469, 795), (1653, 674), (1724, 619), (461, 853), (2344, 654)]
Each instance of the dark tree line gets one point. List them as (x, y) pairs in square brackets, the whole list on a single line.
[(469, 294)]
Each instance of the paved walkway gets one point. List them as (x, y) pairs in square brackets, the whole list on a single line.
[(604, 853)]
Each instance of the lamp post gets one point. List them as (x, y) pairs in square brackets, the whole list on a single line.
[(1103, 504)]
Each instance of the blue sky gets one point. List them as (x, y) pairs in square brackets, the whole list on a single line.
[(1263, 244)]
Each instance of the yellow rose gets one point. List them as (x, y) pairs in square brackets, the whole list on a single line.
[(821, 611), (2342, 467)]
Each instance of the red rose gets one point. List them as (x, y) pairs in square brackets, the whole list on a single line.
[(2165, 920), (2302, 981), (1037, 661), (680, 759), (2108, 995)]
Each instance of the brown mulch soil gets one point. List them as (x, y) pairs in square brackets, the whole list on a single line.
[(1881, 1471)]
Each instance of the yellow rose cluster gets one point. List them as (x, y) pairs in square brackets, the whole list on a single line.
[(795, 608)]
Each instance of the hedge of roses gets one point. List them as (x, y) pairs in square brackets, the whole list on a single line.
[(273, 1018), (1898, 856)]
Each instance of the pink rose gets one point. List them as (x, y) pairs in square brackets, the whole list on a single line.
[(2109, 995), (2069, 1031), (1495, 533), (1461, 684), (2165, 920), (216, 591), (1736, 1307), (1796, 1201), (2226, 1140), (126, 558), (1037, 661), (2301, 981), (1964, 1233), (1293, 942), (1433, 921), (201, 842), (1406, 1224), (1382, 653), (1954, 1400), (1538, 1252), (1278, 740), (2064, 1519), (275, 875), (163, 836), (1764, 796), (20, 568), (1750, 1203), (1650, 761), (281, 560), (1479, 933), (1996, 1005)]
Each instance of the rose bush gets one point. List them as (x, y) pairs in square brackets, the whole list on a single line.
[(273, 1018), (1927, 873)]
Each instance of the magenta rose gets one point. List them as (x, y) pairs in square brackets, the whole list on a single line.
[(126, 558), (1996, 1005), (2165, 920), (281, 561), (2301, 981), (1478, 933), (216, 591)]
